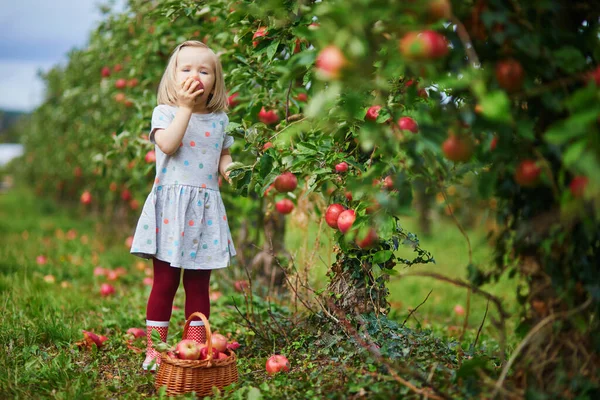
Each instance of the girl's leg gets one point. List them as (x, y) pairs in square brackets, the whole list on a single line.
[(196, 284), (160, 305)]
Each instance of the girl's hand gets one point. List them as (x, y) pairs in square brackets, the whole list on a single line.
[(188, 92)]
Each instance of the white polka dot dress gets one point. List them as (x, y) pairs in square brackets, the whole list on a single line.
[(183, 220)]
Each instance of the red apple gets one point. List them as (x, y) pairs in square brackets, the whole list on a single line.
[(129, 241), (459, 310), (388, 183), (204, 352), (126, 195), (277, 363), (92, 339), (120, 83), (373, 113), (345, 220), (197, 79), (267, 146), (105, 72), (120, 97), (494, 143), (286, 182), (284, 206), (134, 204), (150, 156), (41, 260), (117, 68), (136, 332), (423, 45), (222, 356), (106, 289), (348, 195), (303, 97), (231, 100), (527, 173), (332, 214), (148, 281), (594, 76), (367, 240), (577, 185), (458, 148), (268, 117), (341, 167), (408, 124), (510, 74), (133, 82), (439, 9), (241, 286), (188, 349), (99, 271), (86, 197), (329, 62), (260, 32), (233, 346), (219, 342)]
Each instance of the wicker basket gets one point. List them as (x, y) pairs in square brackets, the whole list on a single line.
[(185, 376)]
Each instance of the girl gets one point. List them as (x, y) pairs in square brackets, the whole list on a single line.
[(183, 226)]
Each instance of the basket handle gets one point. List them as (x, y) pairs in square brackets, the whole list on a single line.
[(207, 329)]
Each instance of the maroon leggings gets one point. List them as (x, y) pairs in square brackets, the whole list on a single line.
[(164, 287)]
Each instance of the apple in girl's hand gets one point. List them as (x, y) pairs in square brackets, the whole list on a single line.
[(188, 349), (284, 206), (332, 214), (219, 342), (150, 156), (373, 113), (345, 220), (286, 182), (106, 289), (204, 352), (341, 167), (197, 79), (277, 363)]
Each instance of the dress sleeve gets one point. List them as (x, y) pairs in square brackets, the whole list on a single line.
[(228, 141), (161, 119)]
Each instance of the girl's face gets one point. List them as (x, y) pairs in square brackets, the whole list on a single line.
[(197, 61)]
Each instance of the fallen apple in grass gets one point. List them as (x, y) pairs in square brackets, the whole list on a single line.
[(188, 349), (106, 289), (241, 286), (136, 332), (277, 363), (91, 339), (233, 346), (459, 310)]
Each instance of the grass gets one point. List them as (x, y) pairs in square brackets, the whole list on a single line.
[(45, 306)]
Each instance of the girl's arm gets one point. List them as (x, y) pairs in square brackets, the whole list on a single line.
[(168, 140), (224, 162)]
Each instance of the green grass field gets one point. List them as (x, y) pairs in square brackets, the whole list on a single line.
[(45, 306)]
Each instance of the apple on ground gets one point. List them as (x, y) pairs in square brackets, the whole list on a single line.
[(332, 214), (233, 346), (286, 182), (527, 173), (41, 260), (106, 289), (277, 363), (329, 63), (241, 286), (345, 220), (188, 349), (92, 339), (284, 206), (459, 310), (135, 333)]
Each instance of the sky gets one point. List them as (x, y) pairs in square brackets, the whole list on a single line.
[(36, 35)]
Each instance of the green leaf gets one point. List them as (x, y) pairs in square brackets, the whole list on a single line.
[(272, 49), (496, 106), (254, 394), (382, 256), (569, 59), (574, 152)]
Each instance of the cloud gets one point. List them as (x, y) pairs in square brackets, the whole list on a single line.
[(20, 88)]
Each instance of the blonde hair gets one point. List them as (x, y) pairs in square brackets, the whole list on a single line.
[(167, 93)]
